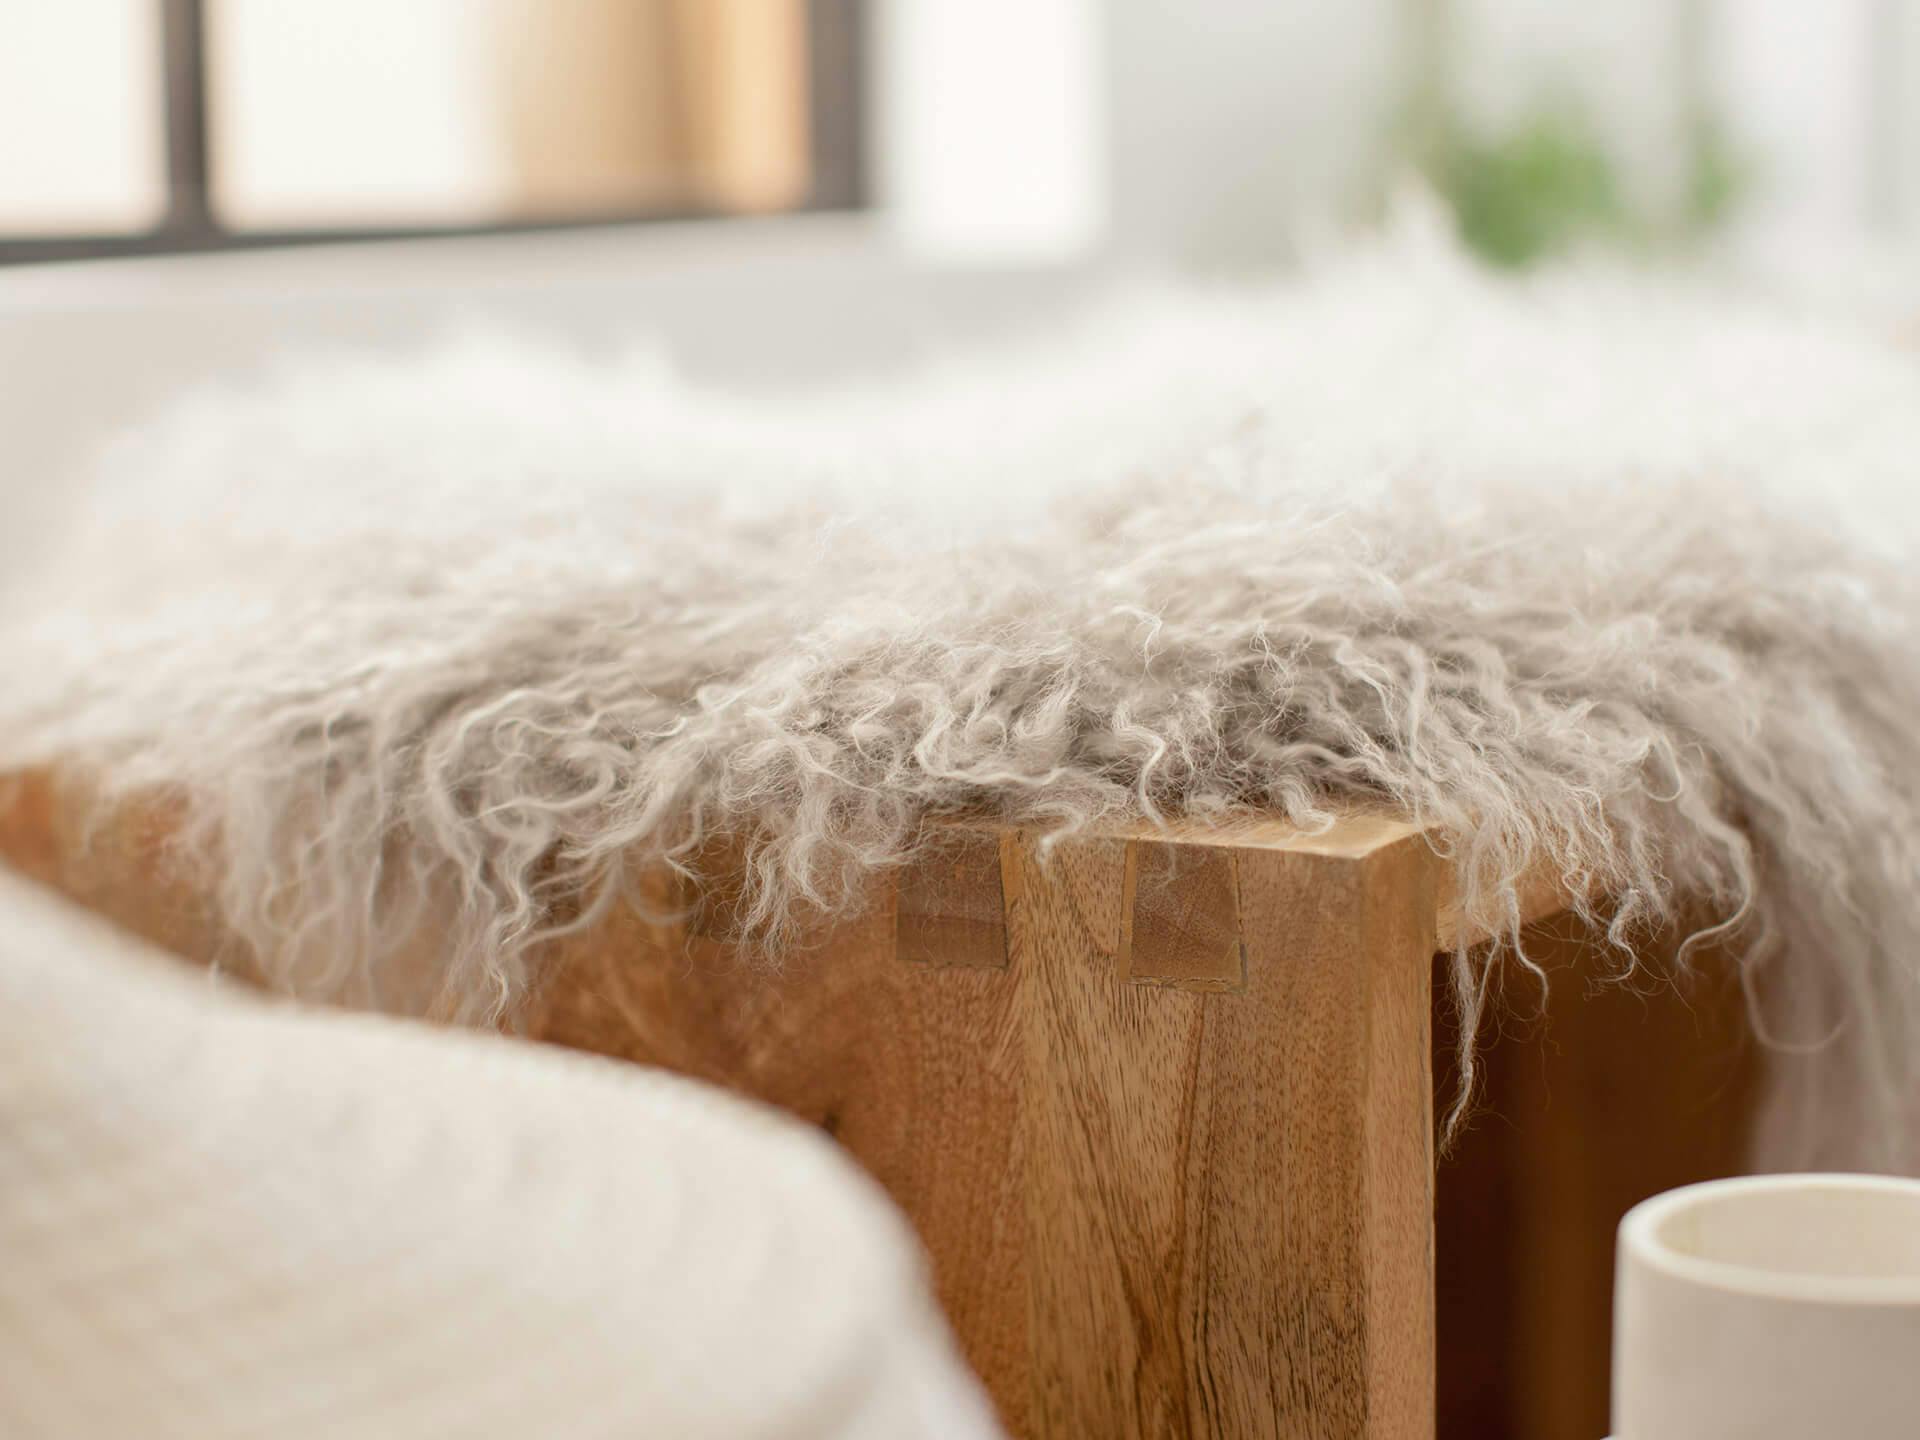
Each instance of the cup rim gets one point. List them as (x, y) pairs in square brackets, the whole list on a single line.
[(1640, 1239)]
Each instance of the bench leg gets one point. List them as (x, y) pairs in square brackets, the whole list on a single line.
[(1228, 1179), (1162, 1114)]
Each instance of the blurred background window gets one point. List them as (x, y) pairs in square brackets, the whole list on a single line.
[(1003, 132), (1214, 134), (193, 124), (81, 116)]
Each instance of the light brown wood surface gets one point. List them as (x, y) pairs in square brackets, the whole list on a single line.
[(1159, 1102), (1159, 1110)]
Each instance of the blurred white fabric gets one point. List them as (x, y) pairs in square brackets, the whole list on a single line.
[(226, 1216)]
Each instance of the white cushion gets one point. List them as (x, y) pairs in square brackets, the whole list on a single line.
[(226, 1216)]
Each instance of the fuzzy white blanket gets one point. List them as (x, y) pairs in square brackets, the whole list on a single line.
[(1606, 571), (225, 1218)]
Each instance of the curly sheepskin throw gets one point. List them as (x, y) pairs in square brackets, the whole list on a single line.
[(1599, 571)]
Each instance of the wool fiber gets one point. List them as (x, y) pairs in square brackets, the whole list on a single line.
[(1606, 571)]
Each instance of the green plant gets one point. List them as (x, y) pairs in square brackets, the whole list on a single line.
[(1533, 191)]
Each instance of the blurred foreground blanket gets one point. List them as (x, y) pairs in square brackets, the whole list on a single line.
[(229, 1217), (1601, 571)]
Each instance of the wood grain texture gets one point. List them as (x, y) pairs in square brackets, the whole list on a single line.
[(949, 906), (1159, 1103), (1180, 917), (1153, 1209)]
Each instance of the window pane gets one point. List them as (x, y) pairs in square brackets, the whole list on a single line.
[(82, 131), (367, 112)]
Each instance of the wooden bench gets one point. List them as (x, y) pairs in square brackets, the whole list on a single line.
[(1160, 1105)]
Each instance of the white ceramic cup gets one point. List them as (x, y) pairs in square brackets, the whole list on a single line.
[(1780, 1307)]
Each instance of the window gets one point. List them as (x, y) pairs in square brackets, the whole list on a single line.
[(87, 72), (169, 125)]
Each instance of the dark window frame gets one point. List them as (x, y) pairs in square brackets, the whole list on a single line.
[(837, 124)]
